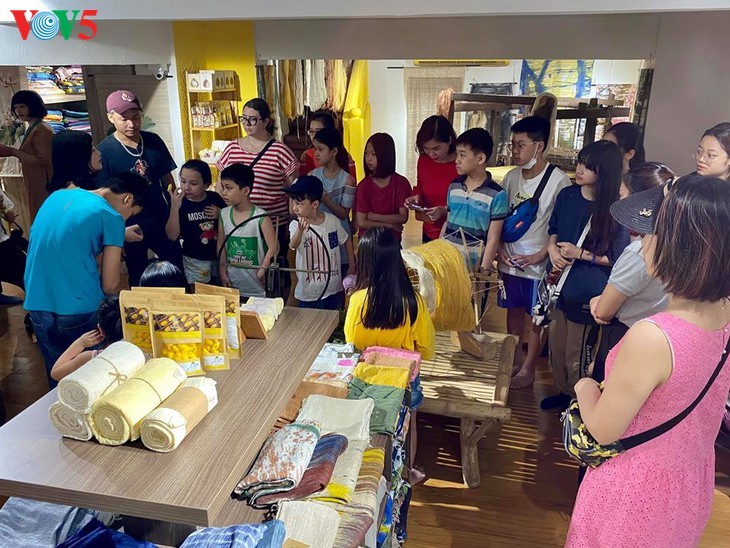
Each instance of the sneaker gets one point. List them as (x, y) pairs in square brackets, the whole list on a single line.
[(559, 401), (7, 300)]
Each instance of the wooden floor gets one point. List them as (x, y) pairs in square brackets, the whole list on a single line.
[(528, 483)]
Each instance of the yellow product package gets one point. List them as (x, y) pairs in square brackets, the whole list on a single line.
[(213, 312), (177, 333), (134, 308), (166, 290), (234, 334)]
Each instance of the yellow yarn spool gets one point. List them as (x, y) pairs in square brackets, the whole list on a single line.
[(439, 274)]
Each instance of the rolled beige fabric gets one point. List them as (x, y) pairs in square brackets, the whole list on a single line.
[(69, 422), (165, 427), (116, 417), (99, 376)]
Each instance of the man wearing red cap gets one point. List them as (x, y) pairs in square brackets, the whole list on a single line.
[(145, 153)]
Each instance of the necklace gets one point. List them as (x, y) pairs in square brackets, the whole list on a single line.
[(127, 148)]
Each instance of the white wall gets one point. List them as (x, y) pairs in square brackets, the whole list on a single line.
[(691, 86), (235, 9), (388, 105)]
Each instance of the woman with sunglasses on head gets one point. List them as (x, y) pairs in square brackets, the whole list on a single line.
[(659, 493), (275, 167), (713, 153)]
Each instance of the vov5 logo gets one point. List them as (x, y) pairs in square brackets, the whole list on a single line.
[(47, 24)]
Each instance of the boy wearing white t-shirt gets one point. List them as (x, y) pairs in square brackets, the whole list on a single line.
[(313, 290), (522, 263)]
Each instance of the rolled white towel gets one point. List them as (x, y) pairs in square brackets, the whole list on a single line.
[(164, 428), (277, 302), (99, 376), (69, 422)]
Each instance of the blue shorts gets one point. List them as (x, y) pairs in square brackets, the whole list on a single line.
[(521, 292)]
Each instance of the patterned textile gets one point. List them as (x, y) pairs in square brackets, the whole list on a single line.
[(387, 402), (95, 535), (340, 416), (393, 357), (384, 375), (306, 389), (366, 490), (281, 463), (386, 525), (335, 362), (274, 535), (371, 537), (235, 536), (345, 475), (318, 473), (309, 522), (353, 527)]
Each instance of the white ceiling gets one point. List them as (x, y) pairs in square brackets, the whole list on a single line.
[(165, 10)]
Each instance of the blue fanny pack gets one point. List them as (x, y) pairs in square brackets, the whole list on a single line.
[(520, 217)]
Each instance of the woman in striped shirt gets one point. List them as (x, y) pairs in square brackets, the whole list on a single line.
[(275, 167)]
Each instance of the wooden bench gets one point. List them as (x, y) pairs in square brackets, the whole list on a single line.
[(456, 384)]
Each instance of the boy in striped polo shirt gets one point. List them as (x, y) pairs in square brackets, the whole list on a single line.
[(476, 205)]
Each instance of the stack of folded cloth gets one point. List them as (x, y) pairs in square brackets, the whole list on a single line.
[(54, 118), (334, 363), (70, 79), (386, 386), (79, 391), (307, 388), (164, 428), (116, 417), (379, 355), (76, 121)]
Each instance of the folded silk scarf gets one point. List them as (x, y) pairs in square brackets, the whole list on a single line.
[(344, 477), (397, 377), (335, 362), (306, 389), (394, 357), (366, 490), (387, 404), (353, 528), (309, 522), (235, 536), (318, 473), (281, 462), (348, 417)]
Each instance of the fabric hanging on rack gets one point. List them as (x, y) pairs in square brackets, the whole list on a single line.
[(282, 125), (308, 83), (339, 85), (443, 103), (356, 115), (298, 88), (329, 82), (270, 84), (286, 81), (318, 85)]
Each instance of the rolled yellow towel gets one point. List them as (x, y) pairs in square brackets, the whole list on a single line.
[(69, 422), (266, 312), (165, 427), (99, 376), (116, 417)]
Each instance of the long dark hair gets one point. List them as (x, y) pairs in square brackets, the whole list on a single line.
[(436, 128), (391, 299), (384, 148), (264, 110), (604, 158), (331, 138), (109, 318), (71, 157), (629, 138)]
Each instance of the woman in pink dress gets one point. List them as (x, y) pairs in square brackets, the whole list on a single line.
[(660, 493)]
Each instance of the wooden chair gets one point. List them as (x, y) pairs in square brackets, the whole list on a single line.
[(456, 384)]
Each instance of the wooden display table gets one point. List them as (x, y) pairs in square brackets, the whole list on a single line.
[(191, 485), (456, 384)]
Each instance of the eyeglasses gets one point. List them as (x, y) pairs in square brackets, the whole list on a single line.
[(698, 154), (249, 120), (520, 146)]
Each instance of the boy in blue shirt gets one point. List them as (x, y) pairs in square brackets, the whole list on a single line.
[(476, 205), (63, 287)]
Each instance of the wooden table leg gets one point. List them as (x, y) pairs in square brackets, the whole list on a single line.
[(159, 532), (470, 435)]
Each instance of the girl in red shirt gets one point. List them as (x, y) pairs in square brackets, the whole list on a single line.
[(381, 195), (436, 146)]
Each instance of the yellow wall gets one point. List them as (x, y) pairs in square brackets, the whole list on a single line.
[(214, 45)]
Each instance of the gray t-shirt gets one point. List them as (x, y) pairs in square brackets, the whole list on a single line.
[(646, 295)]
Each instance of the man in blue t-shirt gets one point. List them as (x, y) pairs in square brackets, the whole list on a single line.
[(63, 286), (142, 152)]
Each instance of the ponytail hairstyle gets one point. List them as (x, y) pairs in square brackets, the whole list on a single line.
[(628, 136), (604, 158), (109, 319), (647, 175), (331, 138), (262, 107), (390, 298)]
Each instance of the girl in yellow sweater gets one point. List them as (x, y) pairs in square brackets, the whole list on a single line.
[(385, 310)]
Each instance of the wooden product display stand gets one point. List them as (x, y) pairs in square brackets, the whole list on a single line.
[(165, 495)]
